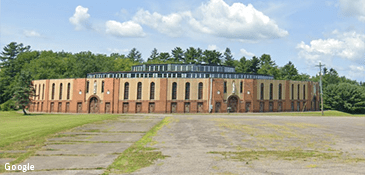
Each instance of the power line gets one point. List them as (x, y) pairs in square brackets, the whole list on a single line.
[(320, 84)]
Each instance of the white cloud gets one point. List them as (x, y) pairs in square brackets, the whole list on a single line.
[(31, 33), (348, 45), (125, 29), (114, 50), (237, 21), (357, 68), (353, 8), (170, 24), (80, 18), (212, 47), (246, 53), (356, 71), (217, 18)]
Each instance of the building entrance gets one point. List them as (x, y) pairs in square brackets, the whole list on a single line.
[(233, 103), (94, 105)]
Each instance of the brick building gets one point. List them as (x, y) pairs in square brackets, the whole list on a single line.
[(174, 88)]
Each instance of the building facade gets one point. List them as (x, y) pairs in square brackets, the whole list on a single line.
[(174, 88)]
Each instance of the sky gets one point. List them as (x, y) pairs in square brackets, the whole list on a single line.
[(304, 32)]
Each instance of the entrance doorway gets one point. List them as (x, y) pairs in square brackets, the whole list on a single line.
[(107, 107), (217, 107), (151, 108), (187, 108), (79, 107), (125, 107), (67, 107), (138, 107), (233, 103), (94, 105), (173, 107), (200, 107)]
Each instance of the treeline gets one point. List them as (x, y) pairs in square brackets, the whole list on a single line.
[(16, 58)]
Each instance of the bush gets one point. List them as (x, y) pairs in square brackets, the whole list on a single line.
[(8, 106)]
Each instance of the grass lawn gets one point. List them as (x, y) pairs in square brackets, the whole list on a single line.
[(29, 132)]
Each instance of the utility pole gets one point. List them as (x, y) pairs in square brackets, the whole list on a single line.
[(320, 84)]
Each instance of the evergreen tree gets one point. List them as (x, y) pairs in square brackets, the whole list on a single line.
[(23, 91), (178, 54), (344, 97), (228, 57), (212, 57), (154, 55), (135, 55)]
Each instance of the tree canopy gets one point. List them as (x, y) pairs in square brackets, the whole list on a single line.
[(17, 58)]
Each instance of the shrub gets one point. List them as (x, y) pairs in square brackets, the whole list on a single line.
[(8, 106)]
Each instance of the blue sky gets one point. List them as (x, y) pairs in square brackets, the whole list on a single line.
[(330, 31)]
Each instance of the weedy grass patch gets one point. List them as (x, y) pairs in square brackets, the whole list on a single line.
[(139, 155)]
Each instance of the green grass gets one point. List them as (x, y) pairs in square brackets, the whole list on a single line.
[(139, 155), (29, 132), (294, 154), (309, 113)]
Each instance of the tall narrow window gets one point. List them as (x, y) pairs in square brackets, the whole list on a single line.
[(304, 92), (271, 91), (152, 91), (102, 87), (53, 87), (139, 90), (187, 91), (39, 92), (60, 91), (262, 91), (298, 91), (225, 87), (68, 90), (43, 93), (126, 90), (35, 89), (87, 86), (174, 88), (241, 86), (292, 91), (200, 91), (280, 91)]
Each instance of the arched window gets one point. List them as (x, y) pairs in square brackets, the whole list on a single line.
[(187, 91), (102, 87), (225, 87), (200, 91), (139, 90), (174, 88), (53, 87), (126, 90), (298, 91), (241, 86), (43, 93), (87, 86), (152, 91), (280, 91), (68, 90), (60, 91), (262, 91), (271, 91), (304, 92), (292, 91), (39, 92)]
